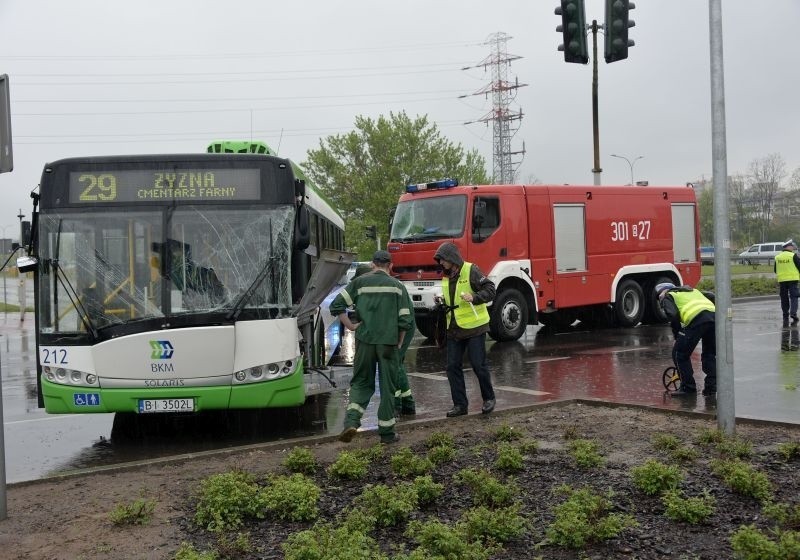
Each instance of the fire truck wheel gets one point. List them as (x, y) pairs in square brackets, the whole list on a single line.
[(427, 327), (509, 315), (629, 307), (654, 314)]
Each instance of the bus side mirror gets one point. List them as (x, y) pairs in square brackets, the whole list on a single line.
[(300, 188), (27, 264)]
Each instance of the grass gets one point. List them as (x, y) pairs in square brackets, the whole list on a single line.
[(708, 269)]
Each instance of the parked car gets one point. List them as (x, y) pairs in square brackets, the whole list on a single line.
[(761, 253), (706, 255)]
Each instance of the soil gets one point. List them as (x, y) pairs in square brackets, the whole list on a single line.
[(69, 518)]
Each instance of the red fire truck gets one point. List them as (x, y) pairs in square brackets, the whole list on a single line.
[(557, 253)]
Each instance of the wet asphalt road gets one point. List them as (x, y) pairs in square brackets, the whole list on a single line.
[(620, 365)]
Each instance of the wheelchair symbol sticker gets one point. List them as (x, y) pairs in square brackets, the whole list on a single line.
[(86, 399)]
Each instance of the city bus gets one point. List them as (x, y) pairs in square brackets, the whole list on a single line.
[(180, 283)]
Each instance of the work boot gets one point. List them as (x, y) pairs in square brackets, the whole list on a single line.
[(348, 434), (684, 392), (488, 406), (389, 439), (709, 390), (456, 411), (795, 319)]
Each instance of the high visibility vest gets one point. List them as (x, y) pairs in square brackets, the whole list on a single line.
[(785, 268), (467, 316), (691, 304)]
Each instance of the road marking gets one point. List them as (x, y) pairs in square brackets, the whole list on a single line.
[(613, 350), (497, 387), (537, 360), (520, 390)]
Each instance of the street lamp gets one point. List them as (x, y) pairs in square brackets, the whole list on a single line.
[(630, 163)]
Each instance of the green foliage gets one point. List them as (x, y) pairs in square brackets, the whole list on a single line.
[(710, 437), (743, 478), (683, 455), (486, 489), (292, 497), (138, 512), (789, 450), (232, 547), (735, 447), (740, 287), (427, 490), (187, 551), (389, 505), (363, 172), (349, 465), (225, 500), (665, 442), (324, 542), (441, 454), (586, 453), (654, 477), (300, 460), (498, 525), (528, 446), (784, 515), (405, 463), (507, 433), (689, 510), (440, 541), (439, 439), (584, 518), (751, 544), (509, 458)]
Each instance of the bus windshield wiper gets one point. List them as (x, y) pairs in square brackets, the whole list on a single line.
[(72, 294)]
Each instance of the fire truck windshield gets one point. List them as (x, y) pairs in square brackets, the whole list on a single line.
[(423, 219)]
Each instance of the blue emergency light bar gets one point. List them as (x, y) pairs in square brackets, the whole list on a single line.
[(433, 185)]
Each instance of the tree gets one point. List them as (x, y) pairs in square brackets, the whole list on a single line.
[(364, 172), (740, 208), (766, 174)]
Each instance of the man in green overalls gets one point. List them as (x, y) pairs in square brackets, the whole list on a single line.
[(385, 319)]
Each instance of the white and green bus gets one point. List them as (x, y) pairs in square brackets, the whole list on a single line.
[(181, 283)]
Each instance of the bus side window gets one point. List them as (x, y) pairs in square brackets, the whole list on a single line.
[(485, 218)]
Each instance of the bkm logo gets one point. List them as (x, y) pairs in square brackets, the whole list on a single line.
[(161, 350)]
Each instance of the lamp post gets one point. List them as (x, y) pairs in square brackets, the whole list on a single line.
[(630, 163), (5, 302)]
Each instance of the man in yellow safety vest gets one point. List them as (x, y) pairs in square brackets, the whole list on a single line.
[(787, 269)]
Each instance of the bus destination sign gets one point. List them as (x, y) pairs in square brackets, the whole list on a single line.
[(138, 185)]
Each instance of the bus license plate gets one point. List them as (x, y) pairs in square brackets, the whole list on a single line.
[(166, 405)]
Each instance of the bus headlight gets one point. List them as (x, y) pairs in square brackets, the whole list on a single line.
[(266, 372), (73, 377)]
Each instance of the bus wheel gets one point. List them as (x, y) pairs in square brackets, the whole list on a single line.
[(509, 316), (629, 307)]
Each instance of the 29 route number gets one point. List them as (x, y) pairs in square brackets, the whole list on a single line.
[(98, 187), (624, 231)]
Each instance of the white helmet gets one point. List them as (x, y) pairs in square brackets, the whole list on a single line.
[(664, 286)]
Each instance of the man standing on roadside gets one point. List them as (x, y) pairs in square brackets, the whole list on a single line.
[(385, 319), (787, 269), (465, 293)]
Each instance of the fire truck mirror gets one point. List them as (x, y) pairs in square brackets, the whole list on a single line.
[(479, 213)]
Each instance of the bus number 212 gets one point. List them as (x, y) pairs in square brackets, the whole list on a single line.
[(54, 356), (623, 231)]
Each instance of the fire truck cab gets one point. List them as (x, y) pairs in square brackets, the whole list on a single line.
[(556, 253)]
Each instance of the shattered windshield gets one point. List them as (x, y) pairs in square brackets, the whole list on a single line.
[(110, 268), (421, 219)]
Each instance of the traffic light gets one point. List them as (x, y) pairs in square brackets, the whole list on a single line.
[(371, 232), (617, 24), (573, 28)]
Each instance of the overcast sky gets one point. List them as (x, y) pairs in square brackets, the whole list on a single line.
[(95, 77)]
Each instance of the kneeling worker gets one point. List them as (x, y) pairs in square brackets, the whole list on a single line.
[(691, 314)]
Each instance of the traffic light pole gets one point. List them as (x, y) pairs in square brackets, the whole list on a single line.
[(595, 119)]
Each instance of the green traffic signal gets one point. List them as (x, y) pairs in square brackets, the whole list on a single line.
[(616, 27), (573, 27)]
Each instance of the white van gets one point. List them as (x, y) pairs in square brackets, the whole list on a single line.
[(761, 253)]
